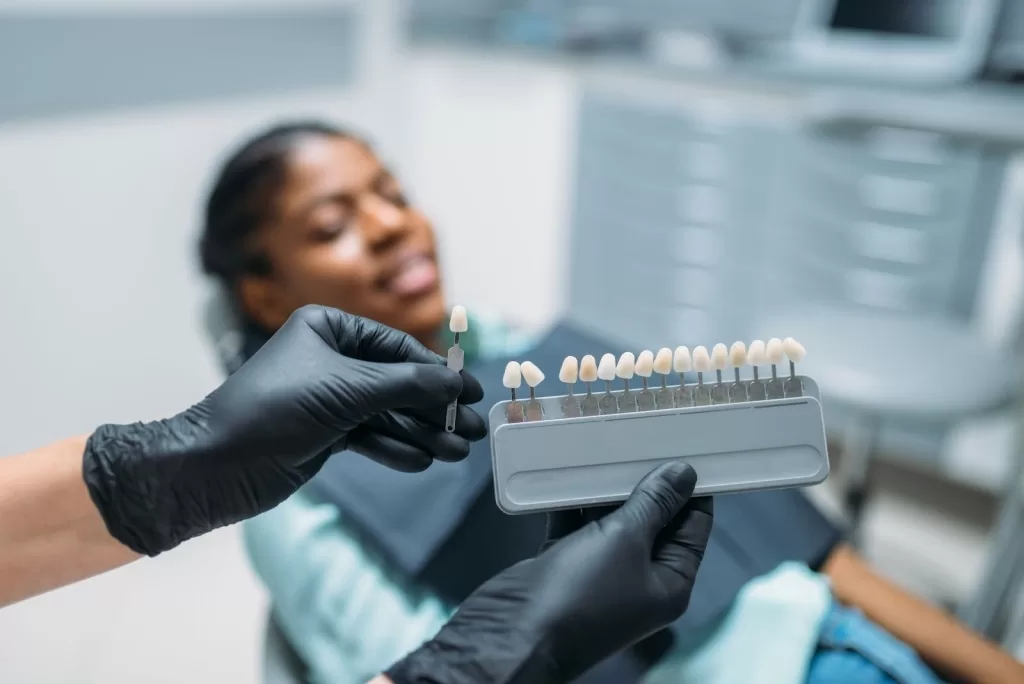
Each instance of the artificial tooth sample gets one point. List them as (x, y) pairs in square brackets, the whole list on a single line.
[(588, 375), (773, 353), (513, 380), (568, 374), (795, 352), (737, 359), (533, 377), (701, 364), (663, 366), (625, 369), (458, 324), (645, 369), (719, 360), (756, 357), (606, 372), (683, 363)]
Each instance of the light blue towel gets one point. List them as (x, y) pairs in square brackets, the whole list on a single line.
[(769, 636)]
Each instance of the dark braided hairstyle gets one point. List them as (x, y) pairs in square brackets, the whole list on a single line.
[(243, 198)]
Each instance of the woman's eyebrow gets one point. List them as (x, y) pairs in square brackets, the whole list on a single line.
[(347, 196)]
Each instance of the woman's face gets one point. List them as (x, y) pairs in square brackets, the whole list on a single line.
[(343, 236)]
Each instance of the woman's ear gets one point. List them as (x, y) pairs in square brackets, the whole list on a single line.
[(262, 301)]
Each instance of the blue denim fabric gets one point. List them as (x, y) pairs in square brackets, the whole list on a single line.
[(853, 649)]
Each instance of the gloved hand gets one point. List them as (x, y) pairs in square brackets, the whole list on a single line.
[(327, 381), (591, 594)]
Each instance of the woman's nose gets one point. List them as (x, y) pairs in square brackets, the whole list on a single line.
[(381, 219)]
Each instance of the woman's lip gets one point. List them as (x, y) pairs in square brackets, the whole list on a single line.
[(416, 276)]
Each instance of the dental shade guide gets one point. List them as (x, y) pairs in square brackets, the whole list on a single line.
[(513, 380), (577, 450), (682, 363), (625, 369), (773, 350), (795, 352), (607, 404), (588, 374), (756, 357), (533, 377), (458, 324), (664, 397), (701, 364), (569, 374), (644, 367)]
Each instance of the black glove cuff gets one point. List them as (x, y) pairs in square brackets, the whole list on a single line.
[(128, 470), (474, 658)]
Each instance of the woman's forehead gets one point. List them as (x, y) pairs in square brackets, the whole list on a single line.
[(331, 164)]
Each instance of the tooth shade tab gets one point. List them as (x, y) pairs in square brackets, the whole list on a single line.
[(756, 354), (794, 351), (570, 370), (701, 359), (773, 351), (719, 356), (663, 361), (459, 322), (681, 361), (645, 364), (626, 366), (738, 354), (606, 369), (513, 378), (532, 374), (588, 369)]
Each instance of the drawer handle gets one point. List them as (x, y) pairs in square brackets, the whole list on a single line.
[(877, 289), (698, 246), (701, 204), (888, 243), (898, 195), (905, 145)]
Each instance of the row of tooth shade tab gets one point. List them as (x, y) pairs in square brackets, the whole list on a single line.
[(647, 363)]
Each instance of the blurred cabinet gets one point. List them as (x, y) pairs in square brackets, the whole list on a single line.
[(671, 214), (887, 218)]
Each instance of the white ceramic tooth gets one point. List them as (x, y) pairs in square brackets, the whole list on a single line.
[(645, 363), (513, 378), (755, 353), (626, 366), (794, 351), (663, 361), (570, 370), (738, 354), (459, 321), (531, 374), (606, 369), (701, 359), (681, 361), (719, 356), (588, 369), (773, 351)]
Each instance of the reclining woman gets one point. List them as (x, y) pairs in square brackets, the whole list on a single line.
[(306, 213)]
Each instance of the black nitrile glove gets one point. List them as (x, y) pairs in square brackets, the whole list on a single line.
[(327, 381), (591, 594)]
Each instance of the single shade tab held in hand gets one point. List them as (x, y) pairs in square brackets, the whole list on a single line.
[(458, 324)]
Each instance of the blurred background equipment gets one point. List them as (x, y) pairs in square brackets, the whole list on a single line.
[(845, 171)]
